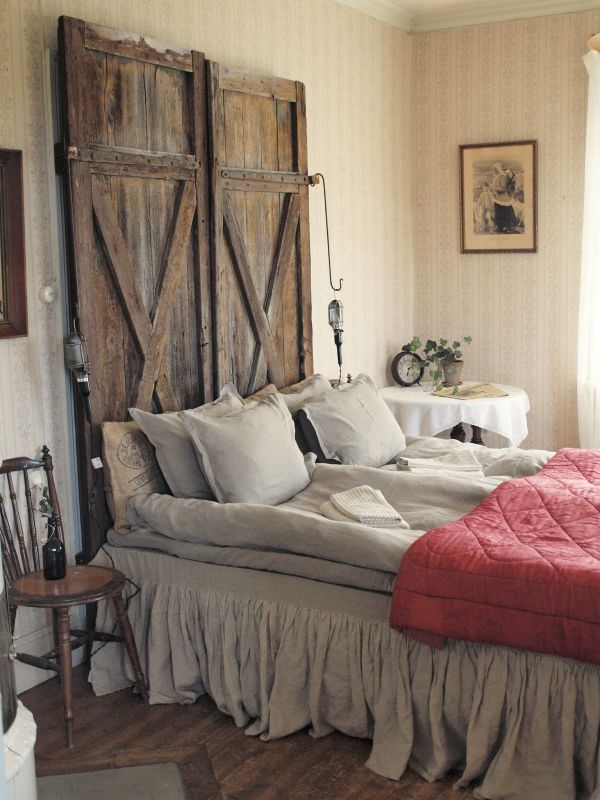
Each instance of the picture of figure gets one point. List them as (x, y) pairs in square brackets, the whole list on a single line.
[(498, 197)]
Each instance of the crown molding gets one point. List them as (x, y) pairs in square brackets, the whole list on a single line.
[(384, 10), (488, 11), (458, 16)]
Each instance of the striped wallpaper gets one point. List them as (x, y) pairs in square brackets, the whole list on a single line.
[(504, 82)]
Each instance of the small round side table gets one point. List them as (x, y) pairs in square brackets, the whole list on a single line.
[(421, 413), (81, 585)]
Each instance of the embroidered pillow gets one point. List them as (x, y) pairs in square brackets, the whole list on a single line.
[(130, 468)]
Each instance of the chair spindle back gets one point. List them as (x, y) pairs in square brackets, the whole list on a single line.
[(13, 544)]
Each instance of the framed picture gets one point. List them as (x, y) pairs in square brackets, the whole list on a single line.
[(498, 197), (13, 300)]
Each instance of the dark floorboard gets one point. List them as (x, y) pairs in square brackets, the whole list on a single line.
[(217, 760)]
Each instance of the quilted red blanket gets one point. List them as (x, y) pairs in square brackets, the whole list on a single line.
[(521, 569)]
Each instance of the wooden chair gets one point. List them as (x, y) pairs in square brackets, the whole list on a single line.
[(82, 584)]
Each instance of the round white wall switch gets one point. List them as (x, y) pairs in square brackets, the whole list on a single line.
[(47, 294)]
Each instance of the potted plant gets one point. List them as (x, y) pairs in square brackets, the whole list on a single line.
[(444, 359)]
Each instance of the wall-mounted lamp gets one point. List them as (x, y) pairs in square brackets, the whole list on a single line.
[(335, 309)]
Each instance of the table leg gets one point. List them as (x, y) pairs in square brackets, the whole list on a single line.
[(476, 435), (458, 432), (66, 667), (130, 645)]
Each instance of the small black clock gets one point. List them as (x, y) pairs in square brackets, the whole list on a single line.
[(407, 368)]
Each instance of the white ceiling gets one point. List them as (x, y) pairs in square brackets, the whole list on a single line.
[(428, 15)]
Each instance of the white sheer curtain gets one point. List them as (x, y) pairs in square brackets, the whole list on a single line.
[(588, 368)]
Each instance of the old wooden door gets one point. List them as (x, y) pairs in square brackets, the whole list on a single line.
[(260, 241), (135, 166)]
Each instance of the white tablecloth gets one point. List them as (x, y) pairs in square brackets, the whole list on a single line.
[(419, 413)]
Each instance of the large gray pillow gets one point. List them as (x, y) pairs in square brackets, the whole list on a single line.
[(175, 451), (249, 455), (354, 425)]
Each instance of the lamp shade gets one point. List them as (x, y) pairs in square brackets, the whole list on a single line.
[(336, 314)]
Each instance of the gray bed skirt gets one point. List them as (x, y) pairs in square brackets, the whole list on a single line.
[(280, 653)]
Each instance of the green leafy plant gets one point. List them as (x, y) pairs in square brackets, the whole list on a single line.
[(436, 354), (46, 508)]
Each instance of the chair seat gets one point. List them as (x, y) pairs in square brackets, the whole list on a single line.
[(80, 585)]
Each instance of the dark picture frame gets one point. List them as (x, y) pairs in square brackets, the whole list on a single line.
[(498, 197), (13, 289)]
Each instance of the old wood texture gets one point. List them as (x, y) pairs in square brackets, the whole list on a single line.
[(179, 282), (216, 759), (135, 168), (260, 246)]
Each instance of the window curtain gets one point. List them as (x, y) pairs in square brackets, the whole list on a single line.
[(588, 367)]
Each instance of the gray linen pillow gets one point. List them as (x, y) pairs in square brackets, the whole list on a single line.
[(175, 451), (354, 425), (249, 455)]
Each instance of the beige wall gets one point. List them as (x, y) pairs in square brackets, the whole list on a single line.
[(357, 76), (503, 82)]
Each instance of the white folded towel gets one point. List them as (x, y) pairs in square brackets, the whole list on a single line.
[(451, 473), (457, 461), (366, 505)]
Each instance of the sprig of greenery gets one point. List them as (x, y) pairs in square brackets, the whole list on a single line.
[(436, 354), (45, 506)]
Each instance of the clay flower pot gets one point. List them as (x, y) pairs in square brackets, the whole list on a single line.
[(453, 372)]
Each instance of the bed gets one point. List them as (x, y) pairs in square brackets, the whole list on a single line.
[(279, 651), (190, 267)]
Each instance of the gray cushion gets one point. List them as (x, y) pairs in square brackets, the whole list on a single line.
[(175, 451), (354, 425), (249, 455)]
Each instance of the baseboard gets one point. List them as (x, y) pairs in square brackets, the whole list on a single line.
[(37, 643)]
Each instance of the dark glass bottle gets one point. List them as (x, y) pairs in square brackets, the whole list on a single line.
[(53, 555)]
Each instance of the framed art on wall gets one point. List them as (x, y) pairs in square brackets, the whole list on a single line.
[(13, 300), (498, 197)]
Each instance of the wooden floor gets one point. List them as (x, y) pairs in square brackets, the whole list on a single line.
[(217, 761)]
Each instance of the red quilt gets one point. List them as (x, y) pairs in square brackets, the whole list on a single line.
[(522, 569)]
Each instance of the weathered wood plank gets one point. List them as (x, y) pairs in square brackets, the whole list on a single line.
[(254, 232), (132, 155), (256, 314), (219, 272), (96, 518), (170, 124), (304, 293), (203, 272), (171, 274), (239, 334), (71, 37), (287, 297), (120, 264), (135, 46), (283, 253), (240, 80), (143, 171), (260, 186)]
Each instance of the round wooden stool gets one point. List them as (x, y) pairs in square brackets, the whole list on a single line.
[(80, 585)]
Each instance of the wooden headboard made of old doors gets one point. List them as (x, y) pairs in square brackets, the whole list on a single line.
[(186, 193)]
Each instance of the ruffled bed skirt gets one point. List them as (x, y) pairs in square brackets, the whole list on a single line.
[(516, 724)]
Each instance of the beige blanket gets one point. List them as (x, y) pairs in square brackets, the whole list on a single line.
[(250, 535)]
